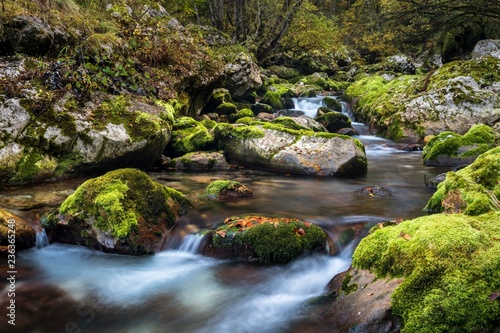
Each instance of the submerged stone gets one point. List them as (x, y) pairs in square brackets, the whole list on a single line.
[(16, 232), (123, 211), (264, 239)]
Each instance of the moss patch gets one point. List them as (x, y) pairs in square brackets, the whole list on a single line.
[(473, 190), (450, 265), (480, 137), (188, 136)]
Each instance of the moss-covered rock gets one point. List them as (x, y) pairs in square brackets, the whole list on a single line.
[(272, 146), (333, 121), (242, 114), (226, 108), (123, 211), (451, 149), (16, 232), (332, 103), (224, 190), (261, 107), (198, 161), (452, 98), (448, 266), (188, 136), (472, 190), (273, 98), (264, 239)]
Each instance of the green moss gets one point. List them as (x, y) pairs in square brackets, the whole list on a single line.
[(226, 108), (272, 98), (289, 123), (473, 190), (449, 264), (332, 103), (188, 136), (34, 166), (268, 240), (245, 120), (346, 287), (448, 143), (115, 202), (223, 130), (214, 189)]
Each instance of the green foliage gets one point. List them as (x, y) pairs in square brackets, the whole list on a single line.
[(214, 189), (449, 265)]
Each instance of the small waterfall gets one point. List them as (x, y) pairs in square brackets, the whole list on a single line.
[(41, 239), (308, 105), (191, 243)]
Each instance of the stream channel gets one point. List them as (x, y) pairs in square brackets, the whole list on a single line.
[(181, 291)]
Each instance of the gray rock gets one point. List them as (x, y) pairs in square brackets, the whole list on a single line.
[(401, 64), (364, 306), (30, 35), (316, 154), (486, 47), (199, 161), (242, 76)]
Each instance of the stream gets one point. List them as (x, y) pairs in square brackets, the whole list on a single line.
[(181, 291)]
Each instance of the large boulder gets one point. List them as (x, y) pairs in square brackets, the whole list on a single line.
[(64, 137), (15, 234), (242, 76), (452, 98), (123, 211), (473, 190), (188, 136), (264, 239), (442, 273), (451, 149), (276, 148)]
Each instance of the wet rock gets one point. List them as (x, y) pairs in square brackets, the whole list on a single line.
[(226, 190), (199, 161), (363, 303), (29, 35), (14, 231), (436, 180), (409, 147), (375, 191), (264, 239), (347, 131), (290, 151), (123, 211)]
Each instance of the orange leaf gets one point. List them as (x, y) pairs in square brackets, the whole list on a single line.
[(405, 236), (380, 225), (308, 224), (221, 233)]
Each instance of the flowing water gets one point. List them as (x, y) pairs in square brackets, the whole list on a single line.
[(178, 290)]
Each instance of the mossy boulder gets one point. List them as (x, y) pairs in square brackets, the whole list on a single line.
[(16, 232), (473, 190), (264, 239), (452, 98), (188, 136), (198, 161), (243, 113), (122, 211), (66, 138), (447, 267), (261, 107), (217, 97), (332, 103), (274, 147), (333, 121), (225, 190), (451, 149)]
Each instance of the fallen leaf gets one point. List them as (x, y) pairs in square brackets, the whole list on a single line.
[(494, 296), (405, 236), (380, 225), (221, 233), (308, 224)]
